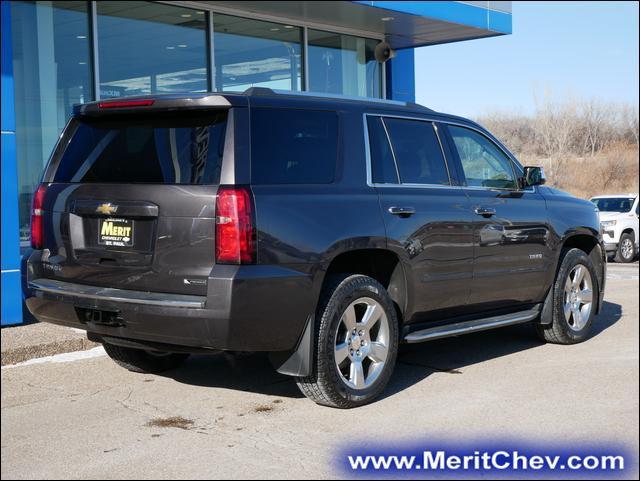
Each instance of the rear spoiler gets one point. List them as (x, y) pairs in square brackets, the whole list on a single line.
[(158, 103)]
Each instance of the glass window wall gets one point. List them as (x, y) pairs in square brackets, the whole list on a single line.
[(52, 71), (344, 65), (146, 47), (149, 47), (253, 53)]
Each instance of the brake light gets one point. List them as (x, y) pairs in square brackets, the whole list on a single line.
[(121, 104), (37, 227), (235, 226)]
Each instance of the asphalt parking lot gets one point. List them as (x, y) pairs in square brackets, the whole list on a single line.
[(212, 418)]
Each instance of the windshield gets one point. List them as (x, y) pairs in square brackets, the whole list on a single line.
[(175, 149), (614, 204)]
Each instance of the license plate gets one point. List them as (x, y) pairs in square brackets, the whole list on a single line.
[(116, 232)]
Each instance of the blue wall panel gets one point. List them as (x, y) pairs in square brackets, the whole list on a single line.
[(8, 116), (11, 291), (401, 77)]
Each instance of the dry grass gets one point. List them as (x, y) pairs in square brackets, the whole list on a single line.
[(587, 146), (610, 171)]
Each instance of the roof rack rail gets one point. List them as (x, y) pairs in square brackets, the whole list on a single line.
[(270, 92)]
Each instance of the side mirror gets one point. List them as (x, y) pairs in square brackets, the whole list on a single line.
[(532, 176)]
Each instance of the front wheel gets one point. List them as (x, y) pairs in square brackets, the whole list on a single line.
[(356, 343), (626, 249), (575, 296)]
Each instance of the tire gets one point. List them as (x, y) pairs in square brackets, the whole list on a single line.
[(137, 360), (576, 327), (373, 347), (626, 249)]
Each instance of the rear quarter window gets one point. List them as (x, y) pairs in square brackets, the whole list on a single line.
[(291, 146)]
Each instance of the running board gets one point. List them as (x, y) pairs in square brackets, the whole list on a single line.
[(467, 327)]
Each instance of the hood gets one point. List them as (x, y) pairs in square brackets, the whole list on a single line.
[(609, 215)]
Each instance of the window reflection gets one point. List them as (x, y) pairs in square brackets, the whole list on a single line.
[(253, 53), (51, 67), (146, 48), (342, 64)]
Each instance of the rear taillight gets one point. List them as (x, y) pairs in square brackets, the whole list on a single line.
[(124, 104), (235, 226), (37, 227)]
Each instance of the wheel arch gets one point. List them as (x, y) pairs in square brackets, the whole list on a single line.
[(379, 263), (593, 248)]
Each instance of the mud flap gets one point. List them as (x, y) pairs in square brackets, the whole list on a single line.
[(299, 362), (546, 315)]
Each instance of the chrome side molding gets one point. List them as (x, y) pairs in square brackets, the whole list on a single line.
[(105, 294)]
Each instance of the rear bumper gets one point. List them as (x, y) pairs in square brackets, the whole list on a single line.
[(247, 308)]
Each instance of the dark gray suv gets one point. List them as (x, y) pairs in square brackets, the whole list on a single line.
[(325, 231)]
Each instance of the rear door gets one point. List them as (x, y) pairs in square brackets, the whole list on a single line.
[(511, 231), (130, 201), (426, 215)]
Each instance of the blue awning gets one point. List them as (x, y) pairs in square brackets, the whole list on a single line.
[(404, 24)]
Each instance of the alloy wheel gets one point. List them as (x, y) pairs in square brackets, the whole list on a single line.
[(362, 343), (578, 297), (627, 248)]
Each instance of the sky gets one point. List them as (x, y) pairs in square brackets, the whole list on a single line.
[(567, 49)]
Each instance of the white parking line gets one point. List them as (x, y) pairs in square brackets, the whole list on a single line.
[(622, 277), (58, 358)]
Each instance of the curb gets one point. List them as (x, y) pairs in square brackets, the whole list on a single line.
[(26, 353), (31, 341)]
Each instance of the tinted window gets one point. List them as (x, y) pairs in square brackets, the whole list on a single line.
[(483, 163), (145, 150), (293, 146), (417, 152), (614, 204), (383, 168)]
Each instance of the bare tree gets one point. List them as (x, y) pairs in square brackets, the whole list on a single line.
[(598, 121), (587, 146), (629, 120), (555, 124)]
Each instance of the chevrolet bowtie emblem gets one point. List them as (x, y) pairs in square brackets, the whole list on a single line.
[(107, 209)]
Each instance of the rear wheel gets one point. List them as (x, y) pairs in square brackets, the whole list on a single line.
[(626, 249), (575, 296), (137, 360), (356, 343)]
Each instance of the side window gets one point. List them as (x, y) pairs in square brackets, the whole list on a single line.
[(293, 146), (417, 152), (383, 168), (483, 163)]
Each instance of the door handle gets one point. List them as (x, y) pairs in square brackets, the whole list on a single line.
[(485, 211), (402, 211)]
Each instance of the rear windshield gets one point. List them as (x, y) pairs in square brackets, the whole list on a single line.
[(179, 149), (614, 204), (293, 146)]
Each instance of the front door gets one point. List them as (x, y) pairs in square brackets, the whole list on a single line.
[(511, 232)]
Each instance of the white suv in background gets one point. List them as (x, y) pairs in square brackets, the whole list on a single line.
[(619, 224)]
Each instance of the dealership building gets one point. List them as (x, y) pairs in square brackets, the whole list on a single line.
[(59, 53)]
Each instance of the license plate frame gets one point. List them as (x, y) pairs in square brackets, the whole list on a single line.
[(116, 232)]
